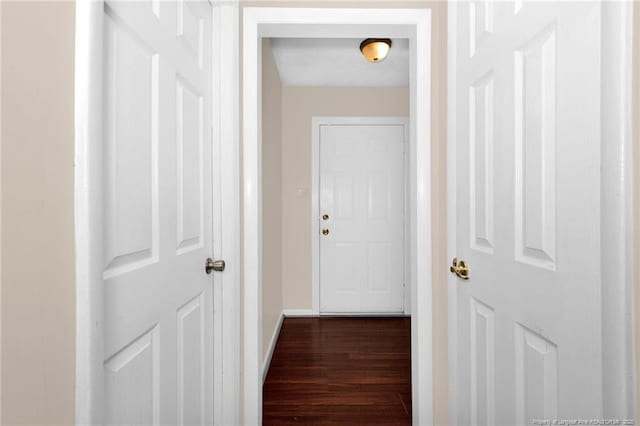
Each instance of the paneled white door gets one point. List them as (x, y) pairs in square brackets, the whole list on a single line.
[(361, 218), (528, 224), (157, 220)]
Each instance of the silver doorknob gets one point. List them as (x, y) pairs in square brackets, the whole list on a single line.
[(214, 265)]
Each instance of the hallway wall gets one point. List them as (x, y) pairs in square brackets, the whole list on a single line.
[(37, 267), (271, 196)]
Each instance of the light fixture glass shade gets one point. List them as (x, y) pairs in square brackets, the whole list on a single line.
[(375, 49)]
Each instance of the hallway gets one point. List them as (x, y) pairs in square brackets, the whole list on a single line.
[(340, 371)]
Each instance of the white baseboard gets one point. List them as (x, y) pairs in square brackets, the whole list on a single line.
[(272, 347), (298, 313)]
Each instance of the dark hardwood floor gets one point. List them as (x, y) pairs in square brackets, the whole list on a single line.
[(340, 371)]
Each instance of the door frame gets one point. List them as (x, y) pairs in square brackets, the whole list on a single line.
[(316, 123), (616, 210), (414, 24), (226, 224)]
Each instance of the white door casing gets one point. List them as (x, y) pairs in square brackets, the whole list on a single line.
[(528, 332), (226, 216), (362, 192), (415, 25)]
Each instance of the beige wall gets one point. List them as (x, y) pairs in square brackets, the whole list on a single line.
[(439, 211), (271, 196), (299, 106), (438, 167), (38, 295)]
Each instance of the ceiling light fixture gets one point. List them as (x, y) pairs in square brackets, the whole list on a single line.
[(375, 49)]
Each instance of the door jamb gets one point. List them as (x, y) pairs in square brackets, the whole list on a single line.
[(616, 208), (414, 24), (226, 33), (88, 234), (88, 124), (316, 123), (452, 295)]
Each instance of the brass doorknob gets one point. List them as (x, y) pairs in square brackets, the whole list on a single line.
[(460, 268), (214, 265), (325, 216), (325, 231)]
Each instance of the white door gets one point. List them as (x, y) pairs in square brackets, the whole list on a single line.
[(528, 211), (157, 204), (361, 218)]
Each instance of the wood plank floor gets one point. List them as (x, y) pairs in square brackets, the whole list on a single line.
[(340, 371)]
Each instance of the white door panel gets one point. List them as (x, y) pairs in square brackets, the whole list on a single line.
[(157, 198), (528, 211), (362, 192)]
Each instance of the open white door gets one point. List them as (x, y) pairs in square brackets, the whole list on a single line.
[(157, 213), (528, 114)]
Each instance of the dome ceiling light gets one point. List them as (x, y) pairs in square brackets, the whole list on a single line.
[(375, 49)]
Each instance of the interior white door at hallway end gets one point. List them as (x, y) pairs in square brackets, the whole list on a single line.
[(157, 223), (362, 218)]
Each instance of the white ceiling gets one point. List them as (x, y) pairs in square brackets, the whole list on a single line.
[(338, 62)]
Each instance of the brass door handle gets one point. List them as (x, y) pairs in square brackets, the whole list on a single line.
[(460, 268), (325, 231)]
